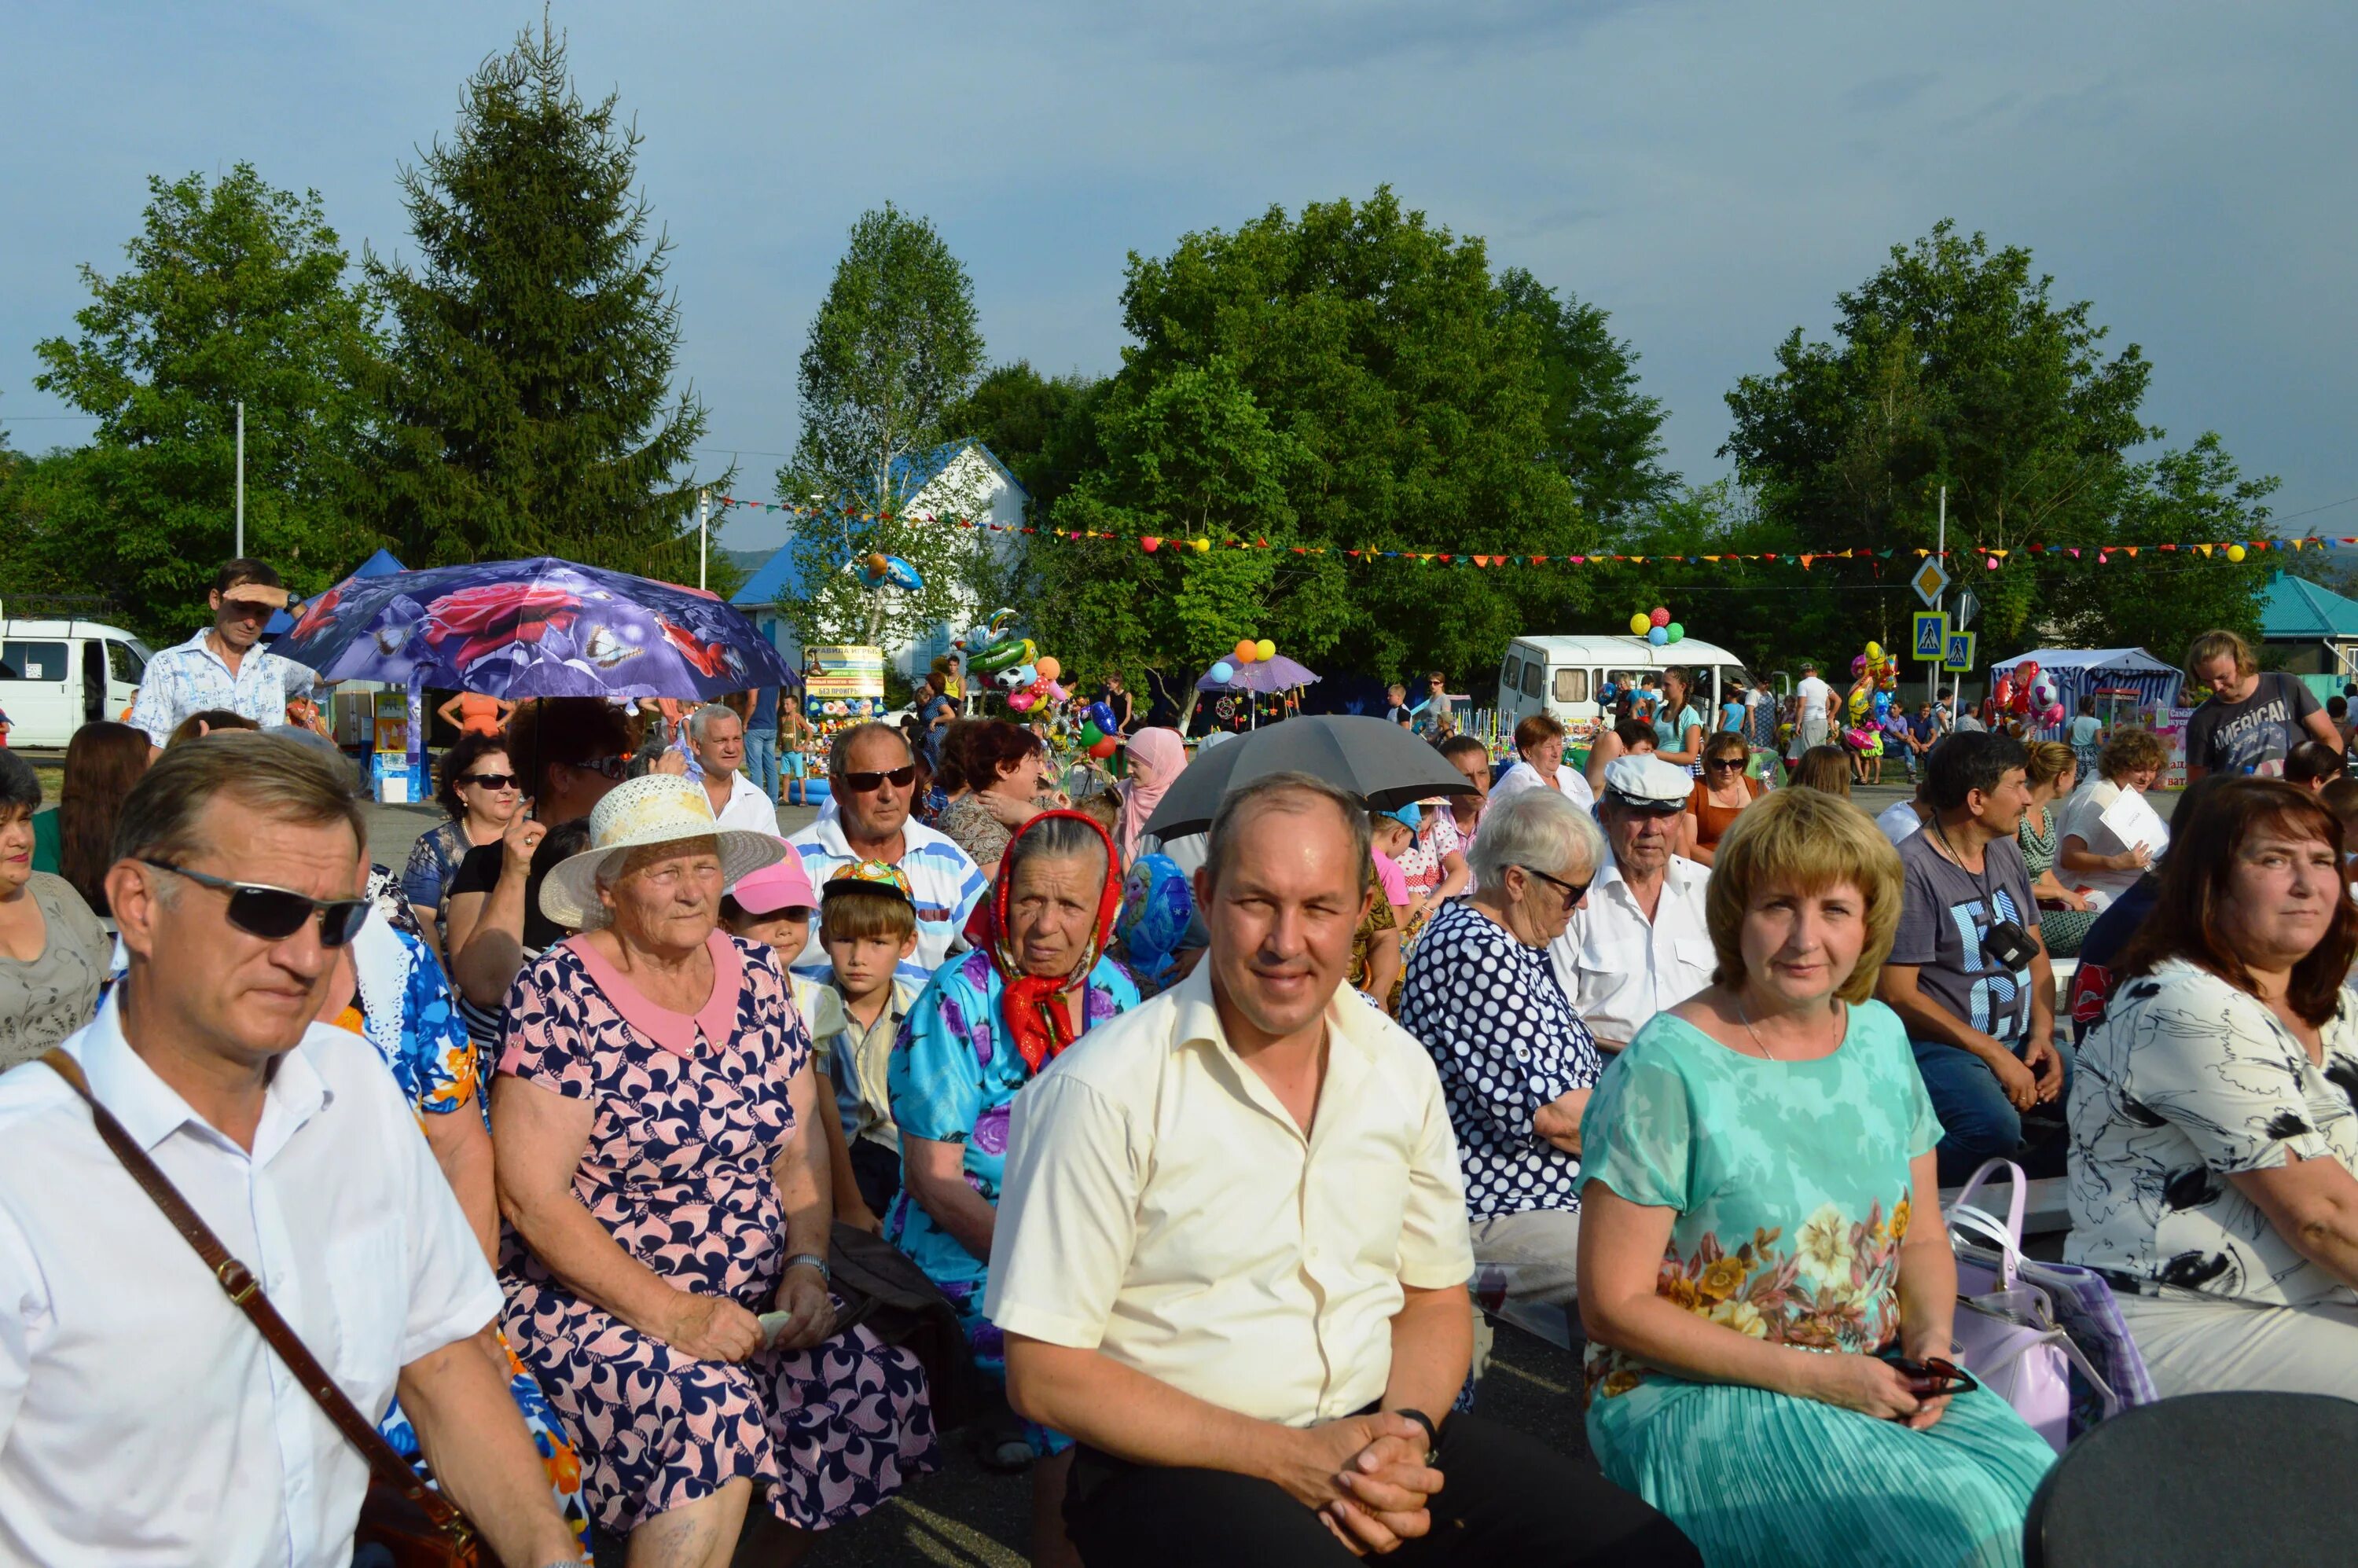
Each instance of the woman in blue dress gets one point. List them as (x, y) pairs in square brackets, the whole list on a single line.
[(984, 1027), (1760, 1218)]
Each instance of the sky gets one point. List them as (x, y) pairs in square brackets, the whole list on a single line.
[(1710, 174)]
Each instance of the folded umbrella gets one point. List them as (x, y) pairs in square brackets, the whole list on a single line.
[(1387, 765)]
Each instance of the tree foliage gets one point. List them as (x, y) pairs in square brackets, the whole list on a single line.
[(892, 354), (529, 407), (1601, 430), (1347, 379), (1953, 365), (235, 291), (1045, 429)]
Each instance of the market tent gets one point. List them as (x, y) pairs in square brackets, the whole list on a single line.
[(2080, 671)]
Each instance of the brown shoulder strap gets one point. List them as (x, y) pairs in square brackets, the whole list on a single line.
[(244, 1292)]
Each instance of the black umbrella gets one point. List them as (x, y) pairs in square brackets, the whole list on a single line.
[(1386, 764)]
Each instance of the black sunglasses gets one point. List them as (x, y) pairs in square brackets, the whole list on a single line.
[(275, 914), (865, 782), (606, 767), (1931, 1378), (1724, 765), (489, 781), (1572, 891)]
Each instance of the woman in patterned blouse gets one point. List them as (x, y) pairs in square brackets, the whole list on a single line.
[(2214, 1133)]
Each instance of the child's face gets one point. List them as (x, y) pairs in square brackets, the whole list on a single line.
[(785, 929), (864, 965)]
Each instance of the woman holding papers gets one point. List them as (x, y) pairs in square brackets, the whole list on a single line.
[(2110, 832)]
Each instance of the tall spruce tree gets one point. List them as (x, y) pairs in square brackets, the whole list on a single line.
[(529, 410)]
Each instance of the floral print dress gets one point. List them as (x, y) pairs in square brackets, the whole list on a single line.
[(1789, 1182), (690, 1114)]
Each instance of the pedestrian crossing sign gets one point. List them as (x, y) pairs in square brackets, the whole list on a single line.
[(1960, 660), (1932, 635)]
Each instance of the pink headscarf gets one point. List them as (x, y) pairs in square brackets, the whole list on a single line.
[(1166, 754)]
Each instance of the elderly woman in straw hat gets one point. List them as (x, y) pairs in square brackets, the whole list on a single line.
[(668, 1206)]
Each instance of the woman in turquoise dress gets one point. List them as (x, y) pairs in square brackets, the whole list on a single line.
[(1760, 1218), (984, 1027)]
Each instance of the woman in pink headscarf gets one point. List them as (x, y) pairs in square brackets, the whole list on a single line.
[(1157, 759)]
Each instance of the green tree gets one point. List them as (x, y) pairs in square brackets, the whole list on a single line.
[(1043, 427), (1404, 408), (891, 356), (1954, 366), (529, 405), (235, 292), (1603, 432)]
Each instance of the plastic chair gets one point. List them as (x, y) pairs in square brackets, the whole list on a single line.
[(2236, 1480)]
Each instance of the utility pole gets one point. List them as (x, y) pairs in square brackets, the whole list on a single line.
[(240, 550), (1941, 548), (703, 534)]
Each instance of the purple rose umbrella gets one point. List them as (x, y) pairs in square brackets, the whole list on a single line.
[(1262, 676)]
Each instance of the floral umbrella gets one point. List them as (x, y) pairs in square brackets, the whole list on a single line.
[(534, 628)]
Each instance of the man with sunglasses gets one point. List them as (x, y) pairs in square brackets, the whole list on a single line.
[(872, 777), (220, 667), (133, 1398), (1639, 946)]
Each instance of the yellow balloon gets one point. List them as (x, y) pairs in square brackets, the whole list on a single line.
[(2235, 552), (1640, 622), (1203, 546), (1874, 653), (1264, 649)]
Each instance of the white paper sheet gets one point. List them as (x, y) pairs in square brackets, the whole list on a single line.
[(2134, 822)]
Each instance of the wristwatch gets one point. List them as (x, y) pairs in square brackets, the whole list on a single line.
[(1432, 1435), (826, 1274)]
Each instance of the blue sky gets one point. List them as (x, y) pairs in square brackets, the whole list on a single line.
[(1711, 174)]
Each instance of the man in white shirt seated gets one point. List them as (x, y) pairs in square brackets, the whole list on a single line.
[(144, 1419), (1640, 944), (717, 735), (1232, 1255)]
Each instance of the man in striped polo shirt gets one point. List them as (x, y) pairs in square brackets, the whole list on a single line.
[(872, 778)]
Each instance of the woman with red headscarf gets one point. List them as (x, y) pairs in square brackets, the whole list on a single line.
[(983, 1027)]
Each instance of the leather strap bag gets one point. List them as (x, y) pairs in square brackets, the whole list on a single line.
[(410, 1523)]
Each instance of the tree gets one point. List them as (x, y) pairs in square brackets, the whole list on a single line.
[(891, 353), (1043, 427), (1602, 431), (1403, 408), (529, 409), (235, 292), (1953, 365)]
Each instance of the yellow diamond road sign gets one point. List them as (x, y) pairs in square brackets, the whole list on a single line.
[(1929, 580)]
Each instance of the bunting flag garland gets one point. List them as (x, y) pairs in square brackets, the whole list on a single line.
[(1989, 558)]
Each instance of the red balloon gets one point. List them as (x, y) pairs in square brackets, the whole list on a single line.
[(1660, 617), (1105, 748)]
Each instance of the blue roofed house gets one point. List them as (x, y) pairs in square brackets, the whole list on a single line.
[(957, 479), (2313, 628)]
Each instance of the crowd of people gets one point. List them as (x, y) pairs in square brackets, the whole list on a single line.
[(1661, 1042)]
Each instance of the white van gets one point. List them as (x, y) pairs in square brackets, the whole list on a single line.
[(57, 676), (1561, 675)]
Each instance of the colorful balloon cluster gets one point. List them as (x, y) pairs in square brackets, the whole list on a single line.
[(1098, 729), (880, 570), (1247, 652), (1874, 676), (1656, 626), (2027, 692)]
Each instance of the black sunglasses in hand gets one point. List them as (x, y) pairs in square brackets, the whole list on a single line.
[(275, 914)]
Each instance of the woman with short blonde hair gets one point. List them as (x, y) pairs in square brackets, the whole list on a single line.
[(2050, 769), (1761, 1254)]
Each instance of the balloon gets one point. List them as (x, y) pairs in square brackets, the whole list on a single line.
[(1101, 715), (1201, 546), (1224, 671), (1245, 651), (1264, 649), (1660, 617), (1049, 668), (1874, 653), (1021, 701), (1002, 621), (2235, 552), (1106, 747), (1017, 678), (1004, 653), (1152, 542), (1638, 623), (898, 573), (2002, 692), (1676, 631), (1090, 736), (1056, 691), (1659, 636)]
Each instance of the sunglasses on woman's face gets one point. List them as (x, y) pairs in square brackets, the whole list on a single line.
[(1572, 891), (275, 914), (490, 781), (868, 782), (1725, 764)]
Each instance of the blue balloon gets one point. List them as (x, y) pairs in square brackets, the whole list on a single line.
[(1224, 671), (1157, 905), (902, 575), (1658, 635)]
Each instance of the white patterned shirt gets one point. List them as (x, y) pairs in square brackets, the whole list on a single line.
[(190, 677), (943, 879)]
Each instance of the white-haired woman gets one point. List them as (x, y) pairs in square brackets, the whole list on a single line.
[(1515, 1062)]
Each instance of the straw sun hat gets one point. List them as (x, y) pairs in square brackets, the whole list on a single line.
[(658, 809)]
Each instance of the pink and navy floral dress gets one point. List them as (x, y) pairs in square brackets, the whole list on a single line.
[(691, 1115)]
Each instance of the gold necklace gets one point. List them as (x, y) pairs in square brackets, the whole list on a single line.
[(1762, 1045)]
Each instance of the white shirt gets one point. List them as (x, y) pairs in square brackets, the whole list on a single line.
[(143, 1419), (1810, 719), (1162, 1207), (1569, 781), (1899, 822), (747, 806), (190, 677), (943, 879), (1619, 969)]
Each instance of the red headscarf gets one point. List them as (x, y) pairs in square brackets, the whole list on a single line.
[(1027, 1004)]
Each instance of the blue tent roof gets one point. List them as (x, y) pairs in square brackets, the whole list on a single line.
[(382, 564), (2295, 609)]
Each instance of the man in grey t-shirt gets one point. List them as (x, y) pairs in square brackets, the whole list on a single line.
[(1981, 1017)]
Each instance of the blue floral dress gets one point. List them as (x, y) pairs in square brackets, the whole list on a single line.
[(1789, 1181), (954, 1079)]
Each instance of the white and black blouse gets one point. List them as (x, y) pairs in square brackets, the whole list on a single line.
[(1506, 1043), (2186, 1082)]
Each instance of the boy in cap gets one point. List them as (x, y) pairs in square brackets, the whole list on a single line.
[(868, 925)]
